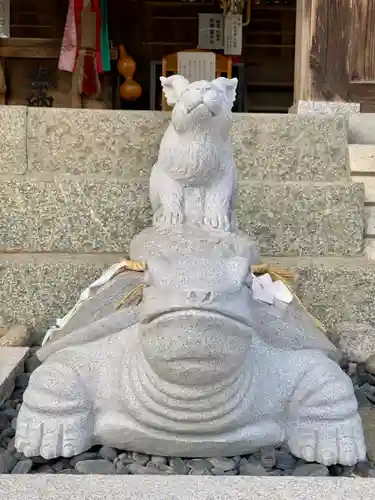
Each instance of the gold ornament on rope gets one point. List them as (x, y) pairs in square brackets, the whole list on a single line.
[(236, 7)]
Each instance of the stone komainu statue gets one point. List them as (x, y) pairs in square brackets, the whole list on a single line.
[(194, 178)]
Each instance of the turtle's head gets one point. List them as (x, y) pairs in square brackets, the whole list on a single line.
[(192, 318)]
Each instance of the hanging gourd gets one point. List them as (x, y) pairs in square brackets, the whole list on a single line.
[(130, 90)]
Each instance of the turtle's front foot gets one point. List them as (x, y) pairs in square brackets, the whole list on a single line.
[(41, 435), (329, 442), (324, 425), (56, 418)]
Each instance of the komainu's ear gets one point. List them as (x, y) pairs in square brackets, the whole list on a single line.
[(173, 87), (229, 86)]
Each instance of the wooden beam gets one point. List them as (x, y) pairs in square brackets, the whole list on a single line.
[(34, 48), (362, 48), (30, 48), (363, 92), (322, 41), (3, 86), (335, 51), (305, 26), (335, 75)]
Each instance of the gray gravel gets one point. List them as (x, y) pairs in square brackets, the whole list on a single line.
[(7, 462), (88, 455), (317, 470), (23, 467), (272, 461), (268, 457), (179, 466), (225, 464), (107, 453), (98, 466), (251, 468)]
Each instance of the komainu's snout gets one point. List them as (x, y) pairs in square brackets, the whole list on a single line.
[(203, 97)]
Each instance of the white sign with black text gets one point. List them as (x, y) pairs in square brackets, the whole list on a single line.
[(210, 34), (4, 18), (233, 34)]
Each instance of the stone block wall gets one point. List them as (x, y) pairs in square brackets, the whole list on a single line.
[(361, 148), (74, 191), (84, 186)]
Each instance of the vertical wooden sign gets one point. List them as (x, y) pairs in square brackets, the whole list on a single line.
[(4, 18)]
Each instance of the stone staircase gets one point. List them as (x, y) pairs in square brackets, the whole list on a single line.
[(74, 191), (361, 148), (361, 138)]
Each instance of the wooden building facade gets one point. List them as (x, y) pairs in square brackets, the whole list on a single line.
[(335, 51), (292, 49)]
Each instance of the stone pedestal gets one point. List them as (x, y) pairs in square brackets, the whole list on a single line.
[(326, 108)]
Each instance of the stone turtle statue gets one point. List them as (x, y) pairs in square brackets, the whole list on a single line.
[(197, 369)]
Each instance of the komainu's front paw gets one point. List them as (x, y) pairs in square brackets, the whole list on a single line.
[(169, 216), (329, 442), (217, 220)]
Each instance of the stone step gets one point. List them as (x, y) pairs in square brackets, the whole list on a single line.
[(303, 218), (126, 487), (370, 221), (361, 128), (362, 158), (265, 146), (38, 288), (86, 214), (362, 167), (13, 120), (368, 181), (287, 147), (370, 248), (11, 364), (326, 107)]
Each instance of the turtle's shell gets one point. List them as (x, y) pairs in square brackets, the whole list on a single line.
[(284, 326)]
